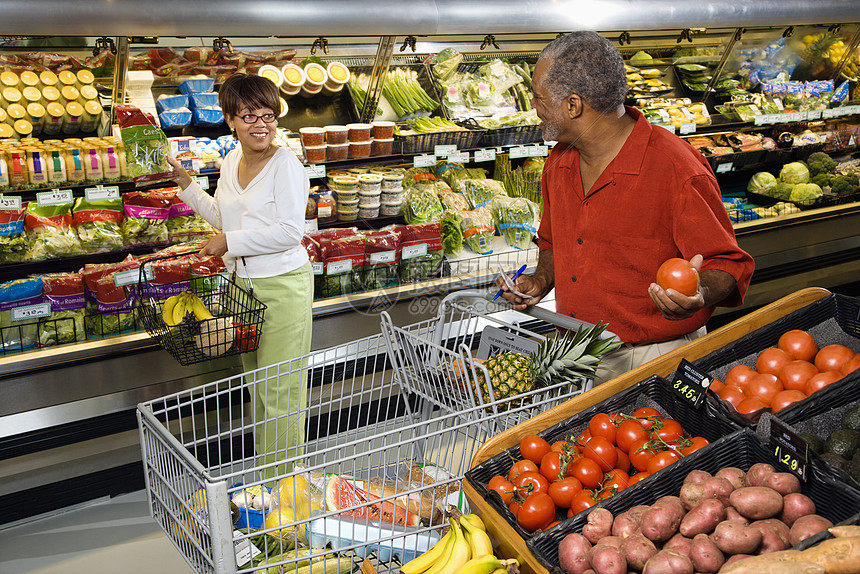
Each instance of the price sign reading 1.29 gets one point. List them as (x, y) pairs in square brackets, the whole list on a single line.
[(791, 451)]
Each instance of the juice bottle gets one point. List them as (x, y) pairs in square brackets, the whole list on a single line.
[(18, 174), (88, 93), (37, 116), (93, 165), (50, 94), (72, 118), (36, 167), (111, 164), (91, 117), (6, 132), (3, 116), (54, 119), (48, 78), (69, 94), (30, 79), (56, 167), (75, 170), (9, 79), (85, 77), (23, 129)]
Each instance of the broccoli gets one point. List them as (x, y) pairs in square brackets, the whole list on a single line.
[(822, 180), (845, 184), (819, 162)]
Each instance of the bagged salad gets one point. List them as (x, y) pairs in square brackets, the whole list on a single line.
[(13, 235), (452, 200), (478, 230), (146, 147), (421, 251), (515, 218), (421, 205), (183, 224), (50, 232), (382, 262), (480, 192), (98, 224), (343, 263), (92, 273), (452, 234), (18, 335), (146, 215), (65, 324)]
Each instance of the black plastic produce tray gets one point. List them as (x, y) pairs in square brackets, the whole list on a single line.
[(427, 142), (652, 392), (832, 319), (833, 498), (513, 135)]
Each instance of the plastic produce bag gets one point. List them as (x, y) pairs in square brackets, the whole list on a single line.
[(65, 324), (92, 274), (421, 205), (146, 147), (452, 234), (13, 236), (98, 224), (343, 264), (480, 192), (185, 225), (421, 251), (18, 335), (478, 230), (381, 268), (444, 64), (451, 200), (50, 231), (145, 221), (515, 218)]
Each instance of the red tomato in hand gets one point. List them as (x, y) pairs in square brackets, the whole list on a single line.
[(536, 511), (795, 374), (832, 357), (533, 448), (799, 344), (563, 491), (821, 380), (739, 375), (786, 398), (520, 467), (503, 486), (772, 360), (680, 275), (601, 424), (587, 472), (602, 452), (630, 431)]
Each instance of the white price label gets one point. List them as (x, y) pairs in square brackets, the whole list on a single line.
[(315, 171), (203, 182), (413, 251), (101, 193), (761, 120), (424, 160), (813, 115), (518, 152), (10, 202), (444, 150), (245, 551), (724, 167), (827, 114), (688, 128), (338, 267), (798, 116), (667, 127), (538, 151), (317, 267), (54, 197), (851, 110), (36, 311), (459, 157), (383, 257), (485, 155), (123, 278)]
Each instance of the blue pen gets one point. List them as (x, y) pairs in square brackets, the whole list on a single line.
[(513, 279)]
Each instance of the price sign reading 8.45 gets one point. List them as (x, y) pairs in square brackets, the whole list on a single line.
[(690, 384)]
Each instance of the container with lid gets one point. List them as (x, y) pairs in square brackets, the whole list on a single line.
[(4, 170), (84, 77), (337, 77), (370, 183), (23, 129), (36, 114), (89, 93), (347, 210), (16, 112), (315, 75), (383, 130), (294, 79), (50, 94), (6, 132), (91, 116), (312, 136), (315, 153), (110, 164), (72, 118), (69, 94), (56, 167), (67, 78), (337, 152), (310, 90), (30, 79), (3, 116), (345, 183), (48, 78), (11, 95), (284, 107), (36, 167), (392, 181), (53, 119), (382, 147), (388, 209), (31, 94), (358, 150), (359, 132), (271, 73), (75, 169), (368, 200), (336, 134), (392, 195), (9, 79)]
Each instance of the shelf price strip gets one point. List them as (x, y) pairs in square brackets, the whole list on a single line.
[(54, 197), (29, 312)]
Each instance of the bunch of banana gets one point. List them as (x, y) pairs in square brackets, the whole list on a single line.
[(175, 308), (465, 549)]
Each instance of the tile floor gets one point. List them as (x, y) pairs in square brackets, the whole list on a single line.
[(103, 537)]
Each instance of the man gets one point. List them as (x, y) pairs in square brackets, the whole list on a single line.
[(620, 197)]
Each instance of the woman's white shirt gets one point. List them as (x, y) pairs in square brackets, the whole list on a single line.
[(264, 222)]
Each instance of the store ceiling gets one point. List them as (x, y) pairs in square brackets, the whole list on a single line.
[(262, 18)]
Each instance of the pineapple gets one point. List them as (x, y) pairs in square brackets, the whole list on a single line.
[(560, 358)]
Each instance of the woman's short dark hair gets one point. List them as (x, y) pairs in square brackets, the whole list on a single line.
[(245, 90), (586, 64)]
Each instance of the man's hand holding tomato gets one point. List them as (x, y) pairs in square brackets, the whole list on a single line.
[(713, 286)]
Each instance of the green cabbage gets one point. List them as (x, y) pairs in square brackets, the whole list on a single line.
[(805, 193), (794, 172), (782, 190), (761, 183)]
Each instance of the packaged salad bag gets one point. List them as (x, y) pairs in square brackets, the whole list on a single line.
[(516, 219), (343, 263), (146, 147), (92, 273), (19, 333), (183, 224), (480, 192), (13, 235), (65, 324), (421, 252), (98, 224), (50, 231), (382, 261), (478, 230), (145, 218)]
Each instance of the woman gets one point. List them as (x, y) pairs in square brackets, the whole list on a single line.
[(259, 206)]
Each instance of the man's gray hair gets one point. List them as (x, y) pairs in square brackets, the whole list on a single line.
[(586, 64)]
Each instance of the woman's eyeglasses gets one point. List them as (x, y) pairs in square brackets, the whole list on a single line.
[(252, 118)]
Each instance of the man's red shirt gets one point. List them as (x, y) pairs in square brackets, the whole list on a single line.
[(657, 199)]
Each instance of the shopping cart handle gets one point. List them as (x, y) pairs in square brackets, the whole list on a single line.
[(563, 321)]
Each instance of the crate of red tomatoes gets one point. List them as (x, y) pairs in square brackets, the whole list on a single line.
[(621, 443), (799, 366)]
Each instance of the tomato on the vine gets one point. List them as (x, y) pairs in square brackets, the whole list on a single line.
[(514, 507), (637, 477), (602, 452), (550, 466), (536, 511), (696, 443), (529, 482), (680, 275), (561, 445), (662, 460), (668, 430), (623, 460), (582, 500), (640, 453), (503, 486), (616, 479), (647, 417), (533, 448), (587, 471), (601, 424), (628, 432), (583, 436), (520, 467), (563, 491)]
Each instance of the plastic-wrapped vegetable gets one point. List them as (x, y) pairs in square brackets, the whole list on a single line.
[(478, 230), (515, 219), (451, 200), (13, 236), (92, 274), (65, 324), (480, 192), (50, 232), (444, 64), (98, 224), (421, 252), (18, 335), (452, 234), (343, 264), (115, 305), (146, 147), (421, 205), (453, 176), (185, 225), (146, 215), (382, 261), (416, 175)]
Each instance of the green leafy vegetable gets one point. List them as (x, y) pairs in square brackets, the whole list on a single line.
[(452, 234), (478, 230), (480, 192), (515, 219), (421, 205)]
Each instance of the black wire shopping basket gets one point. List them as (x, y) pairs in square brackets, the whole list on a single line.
[(204, 318)]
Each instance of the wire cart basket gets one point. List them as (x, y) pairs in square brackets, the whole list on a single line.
[(229, 324), (373, 483), (440, 359)]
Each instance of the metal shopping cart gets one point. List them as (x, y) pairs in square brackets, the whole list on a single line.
[(372, 483), (440, 359)]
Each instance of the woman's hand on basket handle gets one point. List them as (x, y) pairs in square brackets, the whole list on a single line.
[(216, 245), (180, 176)]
